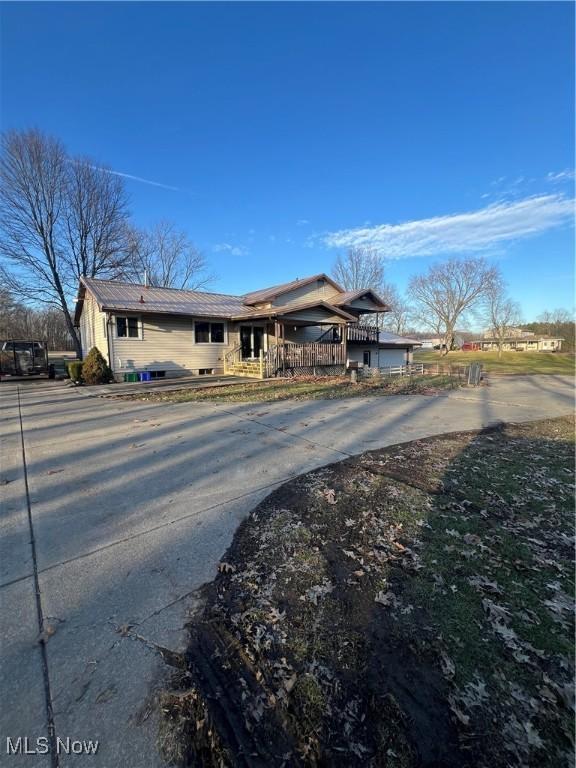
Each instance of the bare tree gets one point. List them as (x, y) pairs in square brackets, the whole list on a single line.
[(168, 259), (55, 228), (359, 268), (503, 314), (95, 222), (448, 291), (398, 318), (363, 268)]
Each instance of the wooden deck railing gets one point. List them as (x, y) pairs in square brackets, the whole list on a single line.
[(363, 333), (308, 355)]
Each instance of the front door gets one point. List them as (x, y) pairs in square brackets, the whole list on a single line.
[(257, 339), (246, 341), (251, 341)]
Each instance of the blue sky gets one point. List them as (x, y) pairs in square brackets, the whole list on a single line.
[(279, 134)]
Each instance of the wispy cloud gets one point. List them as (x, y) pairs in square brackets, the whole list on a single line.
[(233, 250), (135, 178), (474, 231), (302, 222), (566, 175)]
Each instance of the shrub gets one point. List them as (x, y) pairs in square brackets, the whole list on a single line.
[(75, 370), (95, 369)]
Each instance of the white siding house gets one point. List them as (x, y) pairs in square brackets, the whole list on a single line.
[(307, 323)]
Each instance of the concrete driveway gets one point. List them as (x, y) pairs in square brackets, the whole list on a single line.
[(114, 513)]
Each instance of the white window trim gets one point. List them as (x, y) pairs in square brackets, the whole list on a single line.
[(211, 343), (128, 338)]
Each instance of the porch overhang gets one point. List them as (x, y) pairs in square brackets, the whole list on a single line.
[(313, 313)]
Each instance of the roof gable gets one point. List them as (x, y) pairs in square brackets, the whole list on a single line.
[(347, 298), (267, 294)]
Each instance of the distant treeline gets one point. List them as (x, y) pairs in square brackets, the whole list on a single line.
[(18, 321)]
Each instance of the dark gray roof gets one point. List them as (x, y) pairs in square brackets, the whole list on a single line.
[(113, 296)]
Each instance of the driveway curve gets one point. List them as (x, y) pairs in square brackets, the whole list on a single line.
[(114, 514)]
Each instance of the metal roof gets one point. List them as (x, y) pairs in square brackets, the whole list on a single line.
[(384, 337), (255, 297), (113, 296), (348, 296)]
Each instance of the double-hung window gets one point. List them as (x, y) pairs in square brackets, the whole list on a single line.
[(208, 333), (127, 327)]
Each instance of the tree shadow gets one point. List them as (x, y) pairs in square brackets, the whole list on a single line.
[(399, 607)]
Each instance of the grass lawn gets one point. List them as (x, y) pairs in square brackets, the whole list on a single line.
[(410, 606), (305, 388), (511, 362)]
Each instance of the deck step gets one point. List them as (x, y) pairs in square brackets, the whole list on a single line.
[(246, 368)]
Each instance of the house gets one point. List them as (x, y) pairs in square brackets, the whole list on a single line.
[(304, 326), (518, 341)]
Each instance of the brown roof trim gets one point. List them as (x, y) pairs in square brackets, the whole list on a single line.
[(255, 297), (79, 303), (291, 309), (350, 296)]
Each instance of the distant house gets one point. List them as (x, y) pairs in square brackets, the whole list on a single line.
[(307, 325), (516, 340), (526, 342)]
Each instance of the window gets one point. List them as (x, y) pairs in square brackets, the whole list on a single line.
[(367, 359), (217, 330), (202, 333), (127, 327), (206, 333)]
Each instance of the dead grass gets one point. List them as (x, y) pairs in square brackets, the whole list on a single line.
[(306, 388), (412, 606)]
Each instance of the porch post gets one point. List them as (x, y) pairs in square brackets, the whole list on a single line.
[(277, 336), (345, 341)]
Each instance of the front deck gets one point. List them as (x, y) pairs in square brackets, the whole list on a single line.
[(288, 358)]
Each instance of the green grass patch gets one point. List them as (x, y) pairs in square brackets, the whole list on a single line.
[(510, 362)]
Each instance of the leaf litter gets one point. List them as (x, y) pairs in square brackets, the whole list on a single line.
[(408, 607)]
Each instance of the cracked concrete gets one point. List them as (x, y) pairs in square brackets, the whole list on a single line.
[(133, 505)]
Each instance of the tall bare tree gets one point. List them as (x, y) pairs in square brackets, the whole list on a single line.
[(168, 259), (448, 291), (503, 314), (359, 268), (98, 242), (60, 219), (363, 268)]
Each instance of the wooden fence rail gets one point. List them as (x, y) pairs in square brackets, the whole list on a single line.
[(309, 355)]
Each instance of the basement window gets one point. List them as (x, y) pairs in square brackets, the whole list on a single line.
[(127, 327)]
